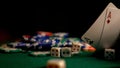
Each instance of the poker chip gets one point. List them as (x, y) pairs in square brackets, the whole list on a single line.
[(38, 38), (20, 45), (13, 44), (23, 45), (88, 48), (58, 38), (55, 41), (9, 49), (26, 37), (61, 34), (43, 33), (65, 43), (45, 45), (40, 53), (74, 53), (74, 39)]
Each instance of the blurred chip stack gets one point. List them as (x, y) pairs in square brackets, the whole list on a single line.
[(44, 41)]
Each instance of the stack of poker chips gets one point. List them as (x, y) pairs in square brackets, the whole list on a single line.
[(44, 41)]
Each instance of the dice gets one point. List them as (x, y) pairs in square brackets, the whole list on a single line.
[(61, 52), (109, 54), (55, 51), (76, 47), (66, 52), (56, 63)]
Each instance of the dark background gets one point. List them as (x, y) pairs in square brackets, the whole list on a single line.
[(74, 18)]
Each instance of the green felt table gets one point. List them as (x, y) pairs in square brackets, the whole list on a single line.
[(82, 60)]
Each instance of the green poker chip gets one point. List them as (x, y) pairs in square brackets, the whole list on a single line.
[(40, 53), (55, 45), (70, 39), (74, 39), (63, 40)]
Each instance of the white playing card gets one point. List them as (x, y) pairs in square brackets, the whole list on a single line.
[(111, 28), (94, 33)]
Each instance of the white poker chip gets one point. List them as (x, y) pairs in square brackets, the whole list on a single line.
[(35, 44), (33, 40), (46, 41), (75, 53), (14, 44), (74, 39), (53, 42), (60, 34), (40, 53), (28, 45), (8, 49)]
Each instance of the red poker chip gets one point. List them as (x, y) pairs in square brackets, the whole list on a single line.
[(26, 36), (46, 33), (89, 49)]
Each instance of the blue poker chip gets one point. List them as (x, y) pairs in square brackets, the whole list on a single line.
[(42, 46), (38, 38), (55, 42), (20, 45), (46, 44), (46, 41), (68, 40), (45, 47), (82, 47)]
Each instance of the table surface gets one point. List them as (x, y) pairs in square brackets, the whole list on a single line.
[(82, 60)]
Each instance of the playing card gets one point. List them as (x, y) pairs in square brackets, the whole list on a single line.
[(111, 28), (94, 33)]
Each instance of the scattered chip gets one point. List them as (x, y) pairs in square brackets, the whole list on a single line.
[(75, 53), (40, 53), (5, 48)]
